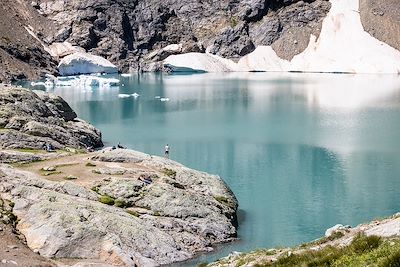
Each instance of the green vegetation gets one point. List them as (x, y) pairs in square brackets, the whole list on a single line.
[(233, 21), (95, 189), (121, 204), (107, 200), (334, 236), (223, 200), (169, 173), (90, 164), (70, 177), (157, 213), (363, 251), (133, 213)]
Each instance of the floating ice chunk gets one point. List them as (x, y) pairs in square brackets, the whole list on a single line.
[(164, 99), (126, 75), (38, 84), (87, 81), (157, 97), (123, 95), (135, 95)]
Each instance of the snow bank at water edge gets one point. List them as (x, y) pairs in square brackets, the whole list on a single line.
[(84, 63), (342, 46)]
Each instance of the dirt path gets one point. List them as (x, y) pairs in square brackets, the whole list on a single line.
[(80, 169)]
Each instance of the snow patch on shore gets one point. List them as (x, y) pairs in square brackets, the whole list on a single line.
[(342, 46), (84, 63)]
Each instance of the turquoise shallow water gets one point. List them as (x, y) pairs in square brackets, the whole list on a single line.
[(302, 152)]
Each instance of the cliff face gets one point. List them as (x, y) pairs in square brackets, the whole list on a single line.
[(125, 32), (134, 34), (131, 34)]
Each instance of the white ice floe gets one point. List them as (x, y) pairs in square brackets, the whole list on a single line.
[(81, 81), (123, 95), (157, 97), (84, 63), (126, 74), (342, 46), (135, 95), (164, 99)]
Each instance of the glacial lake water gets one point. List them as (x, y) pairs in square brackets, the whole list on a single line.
[(302, 152)]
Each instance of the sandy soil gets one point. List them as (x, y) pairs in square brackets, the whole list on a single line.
[(13, 251), (81, 167)]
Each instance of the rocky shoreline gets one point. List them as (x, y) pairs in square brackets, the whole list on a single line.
[(112, 207), (372, 244)]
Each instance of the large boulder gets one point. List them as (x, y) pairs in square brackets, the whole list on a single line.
[(84, 63), (30, 119)]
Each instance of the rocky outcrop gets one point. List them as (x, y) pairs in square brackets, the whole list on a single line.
[(84, 63), (140, 210), (31, 119)]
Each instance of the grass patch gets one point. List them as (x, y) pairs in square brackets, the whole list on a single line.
[(221, 199), (70, 177), (169, 172), (157, 214), (121, 204), (133, 213), (323, 240), (95, 189), (362, 251), (89, 164), (107, 200)]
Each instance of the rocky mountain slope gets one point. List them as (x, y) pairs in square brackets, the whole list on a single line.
[(137, 35), (21, 54)]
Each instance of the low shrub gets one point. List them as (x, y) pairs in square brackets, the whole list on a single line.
[(133, 213), (169, 172), (107, 200), (362, 243)]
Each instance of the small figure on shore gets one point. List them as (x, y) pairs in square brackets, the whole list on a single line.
[(120, 146), (166, 151), (49, 147)]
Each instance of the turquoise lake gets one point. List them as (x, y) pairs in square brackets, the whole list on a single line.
[(302, 152)]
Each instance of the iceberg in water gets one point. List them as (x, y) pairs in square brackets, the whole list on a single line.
[(123, 95), (78, 81)]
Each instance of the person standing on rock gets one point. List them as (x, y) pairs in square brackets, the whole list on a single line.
[(166, 151)]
